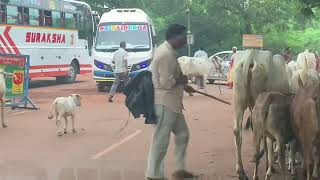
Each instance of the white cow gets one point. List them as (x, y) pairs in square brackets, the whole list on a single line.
[(255, 72), (292, 67), (306, 60), (3, 89), (196, 66), (64, 107), (308, 77)]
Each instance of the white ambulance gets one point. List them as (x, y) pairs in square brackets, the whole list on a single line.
[(134, 27)]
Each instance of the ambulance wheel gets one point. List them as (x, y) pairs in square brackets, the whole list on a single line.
[(72, 75), (101, 87)]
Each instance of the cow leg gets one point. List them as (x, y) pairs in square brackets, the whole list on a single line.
[(72, 121), (315, 162), (282, 159), (2, 113), (65, 124), (59, 132), (292, 157), (307, 162), (256, 142), (204, 78), (238, 141), (270, 158)]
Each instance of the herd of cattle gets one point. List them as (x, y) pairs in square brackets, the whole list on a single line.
[(283, 100), (284, 104)]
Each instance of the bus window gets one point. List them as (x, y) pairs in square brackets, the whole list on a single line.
[(75, 16), (34, 17), (70, 21), (3, 14), (25, 16), (63, 19), (47, 18), (81, 27), (89, 28), (56, 19), (19, 15), (12, 15), (41, 18)]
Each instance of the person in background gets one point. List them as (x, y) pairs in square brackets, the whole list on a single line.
[(287, 55), (121, 69), (169, 84), (230, 81), (317, 60), (199, 79), (200, 53)]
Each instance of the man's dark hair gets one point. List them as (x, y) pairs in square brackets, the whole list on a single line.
[(175, 30), (201, 48), (122, 44)]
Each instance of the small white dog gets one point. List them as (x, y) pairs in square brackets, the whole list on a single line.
[(64, 107)]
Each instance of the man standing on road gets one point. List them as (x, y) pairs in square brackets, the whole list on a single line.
[(169, 84), (287, 55), (120, 70), (200, 53)]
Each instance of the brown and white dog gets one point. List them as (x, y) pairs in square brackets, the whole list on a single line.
[(64, 107)]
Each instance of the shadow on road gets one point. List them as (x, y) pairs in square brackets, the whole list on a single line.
[(47, 83)]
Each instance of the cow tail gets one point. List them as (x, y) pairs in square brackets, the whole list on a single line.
[(247, 72)]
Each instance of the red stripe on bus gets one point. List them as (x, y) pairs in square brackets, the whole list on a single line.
[(5, 45), (50, 66), (85, 71), (85, 65), (2, 50), (48, 74), (7, 36), (58, 66)]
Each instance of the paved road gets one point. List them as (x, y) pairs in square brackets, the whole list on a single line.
[(31, 150)]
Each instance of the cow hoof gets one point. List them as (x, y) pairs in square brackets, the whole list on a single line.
[(243, 176), (59, 134), (4, 126), (74, 130), (315, 174), (65, 131)]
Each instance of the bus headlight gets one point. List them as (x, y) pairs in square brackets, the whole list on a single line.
[(141, 65)]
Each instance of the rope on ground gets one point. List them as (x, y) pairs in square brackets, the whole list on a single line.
[(124, 127)]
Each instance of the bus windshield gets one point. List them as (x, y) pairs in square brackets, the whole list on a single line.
[(136, 36)]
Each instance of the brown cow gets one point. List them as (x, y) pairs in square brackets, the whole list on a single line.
[(271, 122), (305, 116)]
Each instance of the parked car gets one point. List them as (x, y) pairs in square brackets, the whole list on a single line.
[(225, 58)]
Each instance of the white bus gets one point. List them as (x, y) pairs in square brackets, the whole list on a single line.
[(134, 27), (57, 34)]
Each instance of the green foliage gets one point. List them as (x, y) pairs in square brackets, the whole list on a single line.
[(219, 24)]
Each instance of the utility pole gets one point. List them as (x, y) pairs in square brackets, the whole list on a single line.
[(189, 28)]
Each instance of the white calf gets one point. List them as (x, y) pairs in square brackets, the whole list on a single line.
[(64, 107)]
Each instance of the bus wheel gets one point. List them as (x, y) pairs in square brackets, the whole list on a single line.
[(72, 74)]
